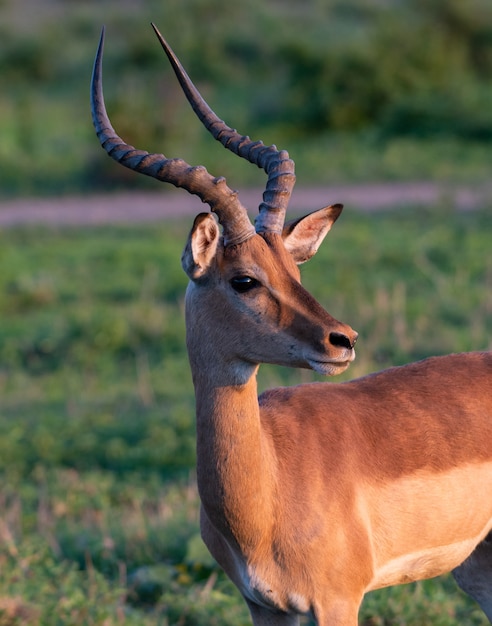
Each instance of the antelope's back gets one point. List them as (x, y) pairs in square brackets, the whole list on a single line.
[(433, 414)]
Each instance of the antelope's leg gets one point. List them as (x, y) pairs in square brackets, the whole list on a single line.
[(474, 575)]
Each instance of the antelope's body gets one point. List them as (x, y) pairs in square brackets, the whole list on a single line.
[(315, 494), (354, 501)]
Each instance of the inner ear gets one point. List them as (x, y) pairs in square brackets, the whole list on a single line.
[(303, 236), (201, 246)]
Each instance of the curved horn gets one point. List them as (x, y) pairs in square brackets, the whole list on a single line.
[(276, 163), (223, 201)]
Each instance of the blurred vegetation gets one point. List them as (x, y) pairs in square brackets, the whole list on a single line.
[(355, 89), (98, 505)]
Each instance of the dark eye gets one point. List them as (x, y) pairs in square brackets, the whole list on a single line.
[(241, 284)]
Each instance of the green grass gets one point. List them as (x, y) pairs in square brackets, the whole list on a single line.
[(98, 506), (357, 90)]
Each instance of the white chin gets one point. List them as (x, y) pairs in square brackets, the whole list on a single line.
[(328, 368)]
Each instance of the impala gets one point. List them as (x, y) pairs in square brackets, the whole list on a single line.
[(315, 494)]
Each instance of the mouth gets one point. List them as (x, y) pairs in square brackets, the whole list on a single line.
[(331, 367)]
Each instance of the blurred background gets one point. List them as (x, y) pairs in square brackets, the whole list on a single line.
[(359, 90), (98, 504)]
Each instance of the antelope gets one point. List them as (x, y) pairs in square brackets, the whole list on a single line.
[(315, 494)]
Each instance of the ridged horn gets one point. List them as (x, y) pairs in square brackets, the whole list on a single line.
[(223, 201), (276, 163)]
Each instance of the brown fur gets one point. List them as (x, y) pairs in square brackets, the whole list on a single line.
[(406, 397)]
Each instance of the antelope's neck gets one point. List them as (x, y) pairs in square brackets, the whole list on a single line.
[(234, 466)]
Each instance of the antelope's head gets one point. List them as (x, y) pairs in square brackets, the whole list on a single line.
[(245, 302)]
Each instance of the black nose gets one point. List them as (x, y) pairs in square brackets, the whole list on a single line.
[(342, 341)]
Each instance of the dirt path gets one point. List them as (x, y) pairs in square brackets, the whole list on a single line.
[(156, 206)]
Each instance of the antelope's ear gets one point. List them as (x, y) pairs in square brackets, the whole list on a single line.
[(201, 246), (303, 236)]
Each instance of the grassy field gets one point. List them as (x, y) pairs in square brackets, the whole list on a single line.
[(356, 89), (98, 504), (98, 507)]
